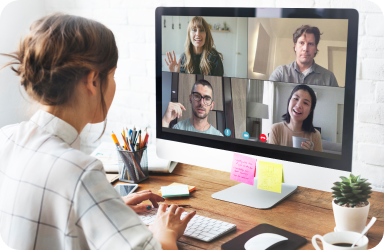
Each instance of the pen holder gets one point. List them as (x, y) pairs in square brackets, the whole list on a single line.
[(133, 166)]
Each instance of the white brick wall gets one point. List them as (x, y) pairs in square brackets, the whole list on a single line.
[(371, 113), (133, 25)]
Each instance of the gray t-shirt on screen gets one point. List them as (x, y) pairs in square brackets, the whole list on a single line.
[(317, 75), (187, 126)]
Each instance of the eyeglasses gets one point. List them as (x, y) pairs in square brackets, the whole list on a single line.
[(206, 99)]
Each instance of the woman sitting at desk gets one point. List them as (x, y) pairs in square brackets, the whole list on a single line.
[(53, 196), (298, 121), (200, 57)]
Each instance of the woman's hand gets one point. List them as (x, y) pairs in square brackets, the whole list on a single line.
[(171, 63), (174, 110), (134, 200), (307, 145), (168, 227)]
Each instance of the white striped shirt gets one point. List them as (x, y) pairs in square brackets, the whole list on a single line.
[(53, 196)]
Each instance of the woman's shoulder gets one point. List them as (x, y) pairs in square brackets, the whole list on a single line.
[(86, 161), (72, 157), (316, 134), (6, 132), (278, 126), (214, 53), (51, 147)]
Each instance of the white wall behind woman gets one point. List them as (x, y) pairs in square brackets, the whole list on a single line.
[(174, 39), (15, 21)]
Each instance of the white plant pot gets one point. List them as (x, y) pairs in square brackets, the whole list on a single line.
[(350, 219)]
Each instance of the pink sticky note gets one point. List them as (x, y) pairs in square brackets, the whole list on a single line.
[(243, 169)]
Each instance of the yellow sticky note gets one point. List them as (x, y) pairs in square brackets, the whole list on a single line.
[(270, 176)]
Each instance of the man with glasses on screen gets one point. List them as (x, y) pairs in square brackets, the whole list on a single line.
[(304, 70), (201, 99)]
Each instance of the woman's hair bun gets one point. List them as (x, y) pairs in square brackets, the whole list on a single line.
[(58, 52)]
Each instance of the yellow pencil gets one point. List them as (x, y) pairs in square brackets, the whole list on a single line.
[(125, 146), (116, 141)]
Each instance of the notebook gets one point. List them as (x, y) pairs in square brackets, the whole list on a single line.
[(174, 191)]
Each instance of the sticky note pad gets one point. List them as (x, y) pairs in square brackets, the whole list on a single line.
[(174, 191), (270, 176), (190, 188), (243, 169)]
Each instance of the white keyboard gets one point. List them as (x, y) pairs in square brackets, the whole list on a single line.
[(200, 227)]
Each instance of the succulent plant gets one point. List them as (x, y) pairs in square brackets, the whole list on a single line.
[(351, 191)]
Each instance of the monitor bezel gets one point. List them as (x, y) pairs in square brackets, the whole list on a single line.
[(352, 15)]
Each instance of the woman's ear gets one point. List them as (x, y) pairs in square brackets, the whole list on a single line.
[(91, 82)]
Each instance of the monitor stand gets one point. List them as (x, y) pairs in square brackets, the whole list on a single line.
[(250, 196)]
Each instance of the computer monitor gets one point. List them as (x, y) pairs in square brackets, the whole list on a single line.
[(268, 69)]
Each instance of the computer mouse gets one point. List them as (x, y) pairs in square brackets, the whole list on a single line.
[(264, 241)]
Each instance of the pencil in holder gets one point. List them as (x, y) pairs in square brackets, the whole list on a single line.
[(133, 165)]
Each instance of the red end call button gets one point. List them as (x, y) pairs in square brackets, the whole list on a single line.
[(263, 137)]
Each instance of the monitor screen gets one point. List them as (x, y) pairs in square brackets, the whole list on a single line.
[(277, 83)]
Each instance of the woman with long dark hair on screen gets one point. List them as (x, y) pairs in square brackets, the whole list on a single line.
[(298, 121), (52, 195), (200, 56)]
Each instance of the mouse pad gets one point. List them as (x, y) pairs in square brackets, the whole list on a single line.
[(294, 241)]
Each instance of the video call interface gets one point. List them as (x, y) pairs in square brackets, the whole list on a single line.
[(276, 83)]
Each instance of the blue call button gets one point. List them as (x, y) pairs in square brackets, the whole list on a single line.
[(246, 135), (227, 132)]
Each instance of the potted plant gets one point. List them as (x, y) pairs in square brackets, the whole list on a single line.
[(350, 203)]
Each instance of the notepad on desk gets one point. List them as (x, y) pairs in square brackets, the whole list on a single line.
[(190, 188), (174, 191)]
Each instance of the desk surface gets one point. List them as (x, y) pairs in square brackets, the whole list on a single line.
[(307, 212)]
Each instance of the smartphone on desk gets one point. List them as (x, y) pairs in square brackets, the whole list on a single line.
[(125, 189)]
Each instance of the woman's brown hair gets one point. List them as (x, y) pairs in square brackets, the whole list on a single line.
[(205, 64), (58, 52), (308, 122)]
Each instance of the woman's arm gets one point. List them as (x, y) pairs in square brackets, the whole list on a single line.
[(274, 135), (168, 227), (135, 200), (318, 145), (105, 220)]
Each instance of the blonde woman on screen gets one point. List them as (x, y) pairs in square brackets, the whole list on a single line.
[(200, 56), (52, 195)]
